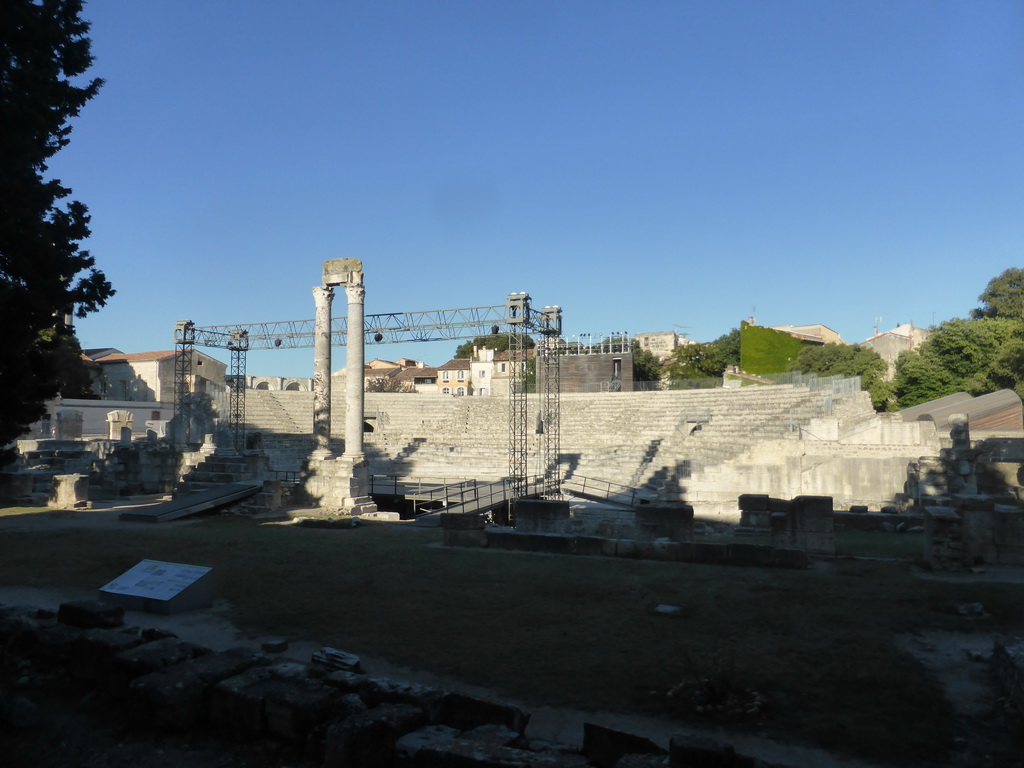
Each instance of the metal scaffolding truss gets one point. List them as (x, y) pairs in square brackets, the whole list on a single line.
[(387, 328), (515, 317)]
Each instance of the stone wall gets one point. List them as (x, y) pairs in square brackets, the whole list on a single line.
[(470, 530)]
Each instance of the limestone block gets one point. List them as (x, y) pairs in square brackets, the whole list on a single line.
[(464, 712), (589, 545), (376, 691), (368, 738), (541, 516), (753, 502), (551, 543), (149, 657), (710, 554), (55, 643), (977, 531), (604, 747), (15, 487), (664, 521), (69, 492), (93, 651), (454, 521), (176, 697), (293, 707)]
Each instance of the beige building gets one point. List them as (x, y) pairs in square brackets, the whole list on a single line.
[(662, 344), (149, 376), (890, 344), (817, 332)]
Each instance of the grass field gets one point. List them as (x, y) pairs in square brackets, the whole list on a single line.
[(579, 632)]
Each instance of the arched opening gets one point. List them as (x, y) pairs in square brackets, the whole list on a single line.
[(293, 387), (263, 385)]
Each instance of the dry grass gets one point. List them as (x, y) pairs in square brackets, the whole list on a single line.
[(576, 632)]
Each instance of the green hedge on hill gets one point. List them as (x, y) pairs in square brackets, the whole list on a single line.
[(763, 350)]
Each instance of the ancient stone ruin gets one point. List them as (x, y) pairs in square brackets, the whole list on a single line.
[(327, 708)]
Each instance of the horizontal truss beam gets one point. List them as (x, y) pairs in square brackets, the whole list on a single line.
[(387, 328)]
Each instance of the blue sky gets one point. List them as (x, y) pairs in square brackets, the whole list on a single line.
[(645, 165)]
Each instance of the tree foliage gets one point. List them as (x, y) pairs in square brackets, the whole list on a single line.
[(728, 346), (846, 360), (389, 384), (646, 365), (499, 342), (44, 274), (974, 356), (694, 361), (1003, 296)]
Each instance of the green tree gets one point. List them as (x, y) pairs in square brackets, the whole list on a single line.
[(728, 346), (973, 356), (646, 365), (694, 361), (847, 360), (44, 274), (1003, 296), (499, 342)]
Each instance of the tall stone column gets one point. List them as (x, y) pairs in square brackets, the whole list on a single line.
[(323, 297), (339, 484), (354, 352)]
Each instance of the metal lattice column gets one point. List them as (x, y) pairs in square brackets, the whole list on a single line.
[(184, 352), (517, 312), (238, 344), (551, 408)]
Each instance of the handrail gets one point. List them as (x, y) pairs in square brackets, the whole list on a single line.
[(604, 489)]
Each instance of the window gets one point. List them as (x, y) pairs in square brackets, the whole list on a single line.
[(481, 374), (444, 375), (461, 375), (502, 369), (446, 391), (460, 391)]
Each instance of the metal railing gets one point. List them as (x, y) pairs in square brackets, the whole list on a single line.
[(461, 495), (604, 490)]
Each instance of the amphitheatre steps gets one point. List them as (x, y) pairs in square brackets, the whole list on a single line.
[(644, 439)]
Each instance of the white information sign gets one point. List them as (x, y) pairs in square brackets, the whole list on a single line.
[(156, 580)]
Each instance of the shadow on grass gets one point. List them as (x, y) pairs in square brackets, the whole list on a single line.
[(575, 632)]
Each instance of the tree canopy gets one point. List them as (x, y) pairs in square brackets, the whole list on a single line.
[(694, 361), (646, 365), (1003, 296), (44, 275), (849, 360), (499, 342), (974, 356)]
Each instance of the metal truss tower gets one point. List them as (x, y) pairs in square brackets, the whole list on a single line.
[(517, 316), (238, 344), (184, 353), (549, 380)]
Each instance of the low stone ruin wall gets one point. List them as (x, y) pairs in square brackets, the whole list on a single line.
[(974, 531), (1009, 664), (470, 530), (327, 709), (806, 523)]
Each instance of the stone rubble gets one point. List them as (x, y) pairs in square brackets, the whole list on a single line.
[(325, 709)]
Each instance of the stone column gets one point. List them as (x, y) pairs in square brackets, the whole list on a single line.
[(322, 372), (339, 484), (354, 355)]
